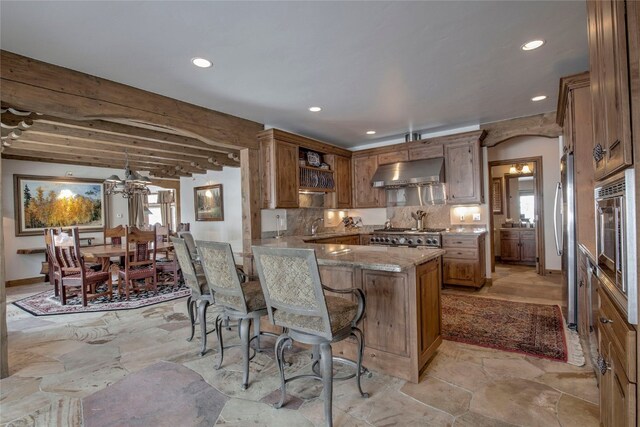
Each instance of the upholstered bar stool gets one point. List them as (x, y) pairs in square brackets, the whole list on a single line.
[(243, 302), (201, 297), (295, 300)]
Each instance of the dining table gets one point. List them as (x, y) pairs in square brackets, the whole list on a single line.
[(104, 253)]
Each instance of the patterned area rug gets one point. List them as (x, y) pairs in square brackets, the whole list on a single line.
[(46, 304), (532, 329)]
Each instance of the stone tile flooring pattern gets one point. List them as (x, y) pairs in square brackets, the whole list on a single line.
[(60, 364)]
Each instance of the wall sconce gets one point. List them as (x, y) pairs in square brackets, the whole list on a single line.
[(519, 168)]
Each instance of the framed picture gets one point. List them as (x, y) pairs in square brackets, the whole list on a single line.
[(44, 201), (209, 204), (496, 196)]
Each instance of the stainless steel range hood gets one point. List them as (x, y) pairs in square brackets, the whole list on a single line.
[(409, 174)]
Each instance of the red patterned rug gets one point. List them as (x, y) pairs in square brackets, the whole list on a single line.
[(47, 304), (532, 329)]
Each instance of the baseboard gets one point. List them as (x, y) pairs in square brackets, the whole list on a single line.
[(552, 272), (25, 281)]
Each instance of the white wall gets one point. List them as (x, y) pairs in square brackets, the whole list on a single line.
[(549, 149), (229, 230), (24, 266)]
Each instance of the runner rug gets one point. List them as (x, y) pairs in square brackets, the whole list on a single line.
[(46, 304), (532, 329)]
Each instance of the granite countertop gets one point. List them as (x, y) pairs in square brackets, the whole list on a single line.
[(382, 258), (516, 228)]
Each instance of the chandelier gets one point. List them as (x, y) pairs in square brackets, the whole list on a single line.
[(133, 183)]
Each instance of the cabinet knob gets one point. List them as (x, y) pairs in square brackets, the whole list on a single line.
[(581, 284), (598, 152), (602, 365), (604, 320)]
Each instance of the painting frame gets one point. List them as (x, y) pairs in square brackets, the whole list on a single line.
[(199, 194), (19, 197)]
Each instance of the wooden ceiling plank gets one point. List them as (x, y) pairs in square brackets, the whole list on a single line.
[(49, 89), (59, 141), (118, 129), (8, 153), (45, 150), (125, 142)]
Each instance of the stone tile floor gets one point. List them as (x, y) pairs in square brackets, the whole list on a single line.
[(61, 363)]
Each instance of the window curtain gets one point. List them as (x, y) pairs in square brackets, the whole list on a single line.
[(137, 204), (165, 199)]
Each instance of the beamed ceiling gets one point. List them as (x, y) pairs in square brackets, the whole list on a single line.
[(160, 151)]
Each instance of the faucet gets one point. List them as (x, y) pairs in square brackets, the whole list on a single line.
[(314, 226)]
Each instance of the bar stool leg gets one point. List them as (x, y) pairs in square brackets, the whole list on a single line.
[(202, 314), (360, 337), (219, 323), (282, 341), (245, 326), (190, 309), (326, 364)]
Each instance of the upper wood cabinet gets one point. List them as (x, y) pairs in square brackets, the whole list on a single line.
[(609, 86), (463, 170), (364, 195), (575, 117), (395, 157), (280, 169), (426, 151)]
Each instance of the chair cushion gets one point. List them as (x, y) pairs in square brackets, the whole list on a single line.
[(341, 313), (90, 277), (252, 294)]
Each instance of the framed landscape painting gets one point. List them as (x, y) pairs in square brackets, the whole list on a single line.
[(43, 202), (208, 202)]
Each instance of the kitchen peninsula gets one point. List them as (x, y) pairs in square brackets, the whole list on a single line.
[(402, 323)]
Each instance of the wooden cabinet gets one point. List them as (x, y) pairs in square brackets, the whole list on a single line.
[(518, 246), (341, 240), (364, 195), (427, 150), (575, 116), (365, 239), (281, 181), (341, 197), (608, 54), (393, 157), (583, 296), (616, 365), (463, 171), (465, 260), (428, 282)]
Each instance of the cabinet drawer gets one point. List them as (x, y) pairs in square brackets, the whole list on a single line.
[(509, 234), (398, 156), (623, 336), (457, 253), (527, 235), (426, 152), (453, 241)]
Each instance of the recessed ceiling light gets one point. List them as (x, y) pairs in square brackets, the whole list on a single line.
[(533, 44), (539, 98), (371, 132), (315, 109), (201, 62)]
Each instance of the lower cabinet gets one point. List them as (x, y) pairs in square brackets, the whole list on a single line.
[(465, 260), (518, 246), (616, 365), (341, 240)]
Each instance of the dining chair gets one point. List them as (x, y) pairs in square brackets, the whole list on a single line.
[(201, 297), (54, 272), (74, 273), (167, 263), (139, 260), (242, 302), (190, 242), (115, 236), (295, 300), (183, 226)]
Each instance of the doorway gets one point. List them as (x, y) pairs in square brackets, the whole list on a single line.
[(516, 213)]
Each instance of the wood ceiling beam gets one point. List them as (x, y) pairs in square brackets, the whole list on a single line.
[(8, 153), (118, 129), (93, 138), (60, 92), (73, 144), (539, 125), (113, 159)]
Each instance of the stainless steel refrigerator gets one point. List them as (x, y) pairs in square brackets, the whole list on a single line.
[(565, 238)]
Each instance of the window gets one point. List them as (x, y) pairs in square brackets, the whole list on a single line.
[(154, 214)]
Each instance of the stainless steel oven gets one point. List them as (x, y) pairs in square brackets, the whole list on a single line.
[(616, 234)]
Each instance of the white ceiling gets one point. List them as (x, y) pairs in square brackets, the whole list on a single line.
[(388, 66)]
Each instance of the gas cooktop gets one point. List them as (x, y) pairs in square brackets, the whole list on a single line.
[(409, 230), (407, 237)]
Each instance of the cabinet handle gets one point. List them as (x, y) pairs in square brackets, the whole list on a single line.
[(581, 284), (602, 365), (598, 152), (604, 320)]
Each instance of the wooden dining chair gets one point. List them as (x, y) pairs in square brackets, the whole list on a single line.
[(183, 226), (167, 263), (139, 261), (74, 273), (54, 272), (115, 236)]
